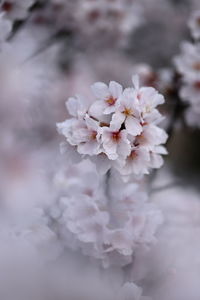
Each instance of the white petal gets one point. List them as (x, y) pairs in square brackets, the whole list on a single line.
[(161, 150), (115, 89), (133, 126), (102, 163), (100, 90), (90, 148), (91, 123), (117, 120), (135, 80), (156, 161), (72, 106), (159, 99), (96, 109), (124, 149), (109, 109)]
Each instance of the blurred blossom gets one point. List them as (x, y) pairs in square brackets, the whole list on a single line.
[(188, 62), (194, 24), (106, 224), (93, 22), (16, 9), (188, 66), (175, 258)]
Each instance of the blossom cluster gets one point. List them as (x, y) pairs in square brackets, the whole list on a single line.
[(188, 66), (106, 220), (118, 129), (112, 21)]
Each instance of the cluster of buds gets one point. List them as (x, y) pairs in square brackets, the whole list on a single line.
[(118, 129)]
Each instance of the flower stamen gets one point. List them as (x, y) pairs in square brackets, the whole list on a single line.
[(128, 111), (116, 136), (111, 101)]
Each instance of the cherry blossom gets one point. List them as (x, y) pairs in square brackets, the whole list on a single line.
[(120, 125), (128, 112), (107, 96), (115, 142)]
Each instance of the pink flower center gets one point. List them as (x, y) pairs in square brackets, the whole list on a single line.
[(196, 66), (94, 15), (7, 6), (133, 155), (93, 135), (89, 192), (111, 101), (197, 84), (116, 136), (143, 123), (128, 111)]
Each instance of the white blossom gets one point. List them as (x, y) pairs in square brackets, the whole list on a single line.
[(107, 96), (124, 130), (115, 143), (112, 21), (128, 112)]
